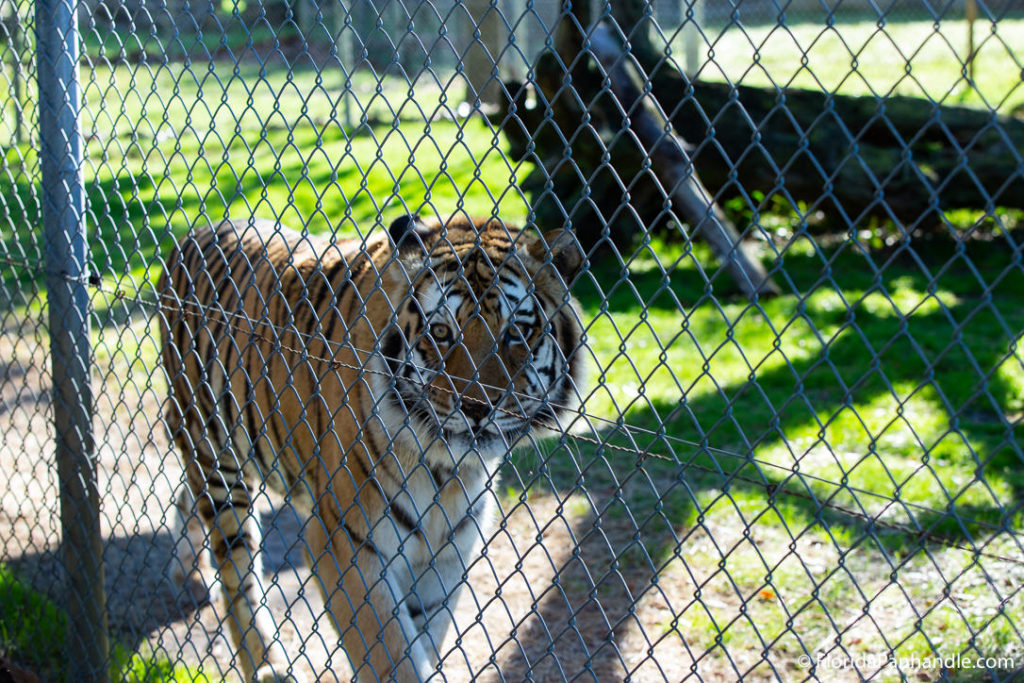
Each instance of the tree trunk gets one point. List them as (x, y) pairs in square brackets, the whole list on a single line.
[(606, 159), (482, 55), (672, 166)]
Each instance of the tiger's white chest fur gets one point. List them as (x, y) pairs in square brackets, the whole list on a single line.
[(445, 487), (439, 493)]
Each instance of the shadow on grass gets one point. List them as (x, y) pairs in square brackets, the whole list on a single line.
[(868, 346), (133, 217), (127, 234), (643, 509), (139, 599)]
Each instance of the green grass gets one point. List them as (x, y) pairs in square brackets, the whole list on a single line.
[(322, 177), (904, 383), (32, 632), (916, 58), (31, 626), (881, 373)]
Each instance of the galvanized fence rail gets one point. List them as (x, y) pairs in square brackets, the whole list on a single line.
[(771, 431)]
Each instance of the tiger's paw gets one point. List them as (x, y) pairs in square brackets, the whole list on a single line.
[(268, 673), (190, 560)]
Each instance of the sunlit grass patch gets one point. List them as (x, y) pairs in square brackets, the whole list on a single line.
[(745, 583), (916, 58)]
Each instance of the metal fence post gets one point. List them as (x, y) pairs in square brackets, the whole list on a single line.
[(63, 200)]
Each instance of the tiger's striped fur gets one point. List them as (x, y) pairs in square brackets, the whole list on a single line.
[(378, 386)]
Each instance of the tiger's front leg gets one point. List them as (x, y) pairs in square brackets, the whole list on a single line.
[(225, 505), (189, 561), (381, 639)]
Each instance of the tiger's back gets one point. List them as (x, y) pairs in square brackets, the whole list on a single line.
[(344, 377), (246, 310)]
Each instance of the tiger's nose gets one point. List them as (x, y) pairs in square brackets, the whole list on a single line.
[(476, 404)]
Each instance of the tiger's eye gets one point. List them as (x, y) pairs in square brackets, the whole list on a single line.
[(441, 332), (518, 334)]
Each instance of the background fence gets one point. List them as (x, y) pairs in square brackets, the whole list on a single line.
[(809, 484)]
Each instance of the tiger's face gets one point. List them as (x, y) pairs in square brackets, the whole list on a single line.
[(485, 344)]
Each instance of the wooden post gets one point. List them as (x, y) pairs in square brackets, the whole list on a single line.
[(692, 38), (485, 38), (14, 24), (971, 14), (303, 13)]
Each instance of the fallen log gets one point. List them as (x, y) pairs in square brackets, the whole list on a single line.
[(902, 158)]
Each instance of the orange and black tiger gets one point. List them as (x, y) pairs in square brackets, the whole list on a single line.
[(379, 386)]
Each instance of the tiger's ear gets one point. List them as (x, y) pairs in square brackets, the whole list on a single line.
[(409, 233), (561, 248)]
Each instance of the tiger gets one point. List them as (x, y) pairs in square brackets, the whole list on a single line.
[(378, 385)]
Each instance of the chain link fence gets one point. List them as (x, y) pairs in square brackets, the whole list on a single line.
[(797, 450)]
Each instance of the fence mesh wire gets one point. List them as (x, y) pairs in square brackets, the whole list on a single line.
[(819, 481)]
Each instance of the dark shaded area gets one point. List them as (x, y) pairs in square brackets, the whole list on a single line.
[(141, 599), (895, 158), (12, 673), (899, 157)]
